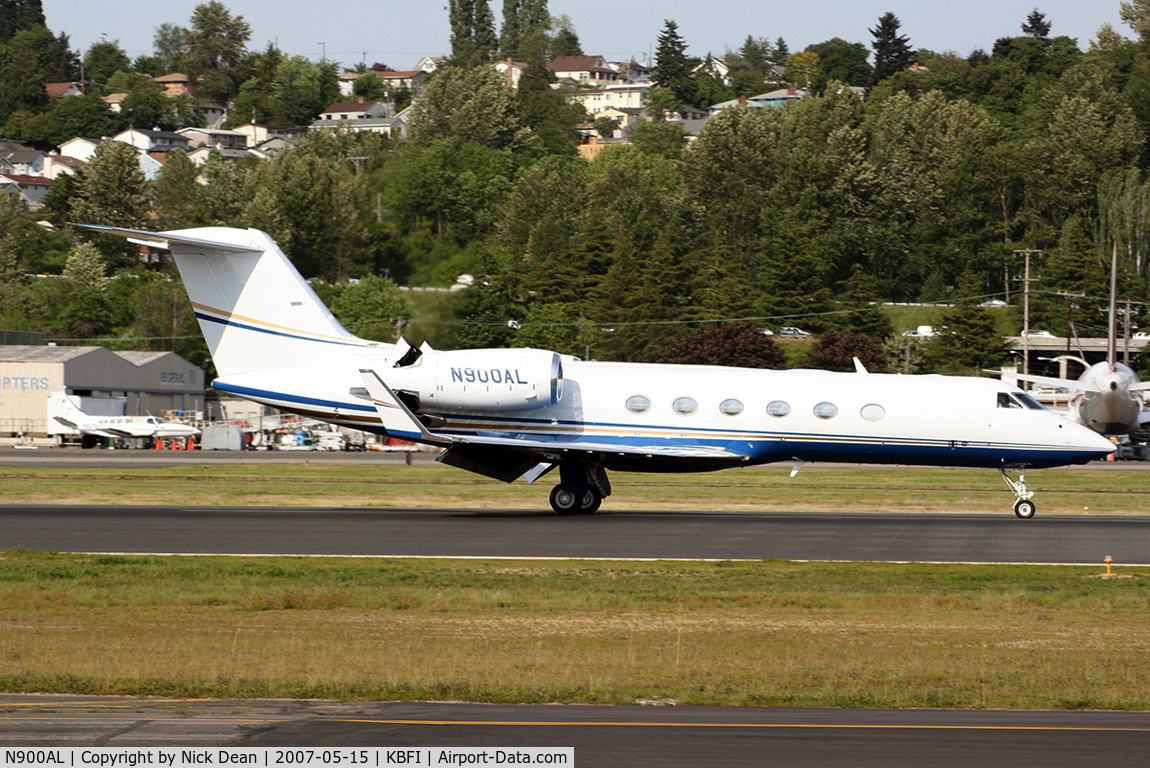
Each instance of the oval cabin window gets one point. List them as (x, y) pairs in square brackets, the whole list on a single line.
[(873, 412), (731, 407), (826, 410), (685, 405), (638, 404), (778, 408)]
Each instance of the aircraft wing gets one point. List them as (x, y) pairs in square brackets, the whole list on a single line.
[(506, 458), (1073, 385)]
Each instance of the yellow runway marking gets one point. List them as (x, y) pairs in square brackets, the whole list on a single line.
[(602, 723)]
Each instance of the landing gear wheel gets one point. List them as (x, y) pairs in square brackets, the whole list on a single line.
[(590, 502), (1024, 508), (564, 502)]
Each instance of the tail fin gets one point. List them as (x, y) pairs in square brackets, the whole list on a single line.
[(256, 312)]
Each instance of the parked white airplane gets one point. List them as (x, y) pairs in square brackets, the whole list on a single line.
[(1107, 397), (509, 413), (66, 412)]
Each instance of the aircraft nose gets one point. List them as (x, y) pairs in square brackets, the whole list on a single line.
[(1098, 442)]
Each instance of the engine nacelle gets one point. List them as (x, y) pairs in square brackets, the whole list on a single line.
[(481, 379)]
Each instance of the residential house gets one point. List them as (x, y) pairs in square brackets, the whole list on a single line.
[(269, 148), (115, 101), (585, 70), (174, 84), (595, 100), (258, 134), (353, 110), (779, 98), (31, 189), (153, 140), (211, 137), (362, 115), (79, 148), (429, 64), (64, 90), (717, 66), (23, 162), (58, 165), (512, 71)]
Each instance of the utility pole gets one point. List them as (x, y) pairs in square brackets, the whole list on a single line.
[(1026, 281)]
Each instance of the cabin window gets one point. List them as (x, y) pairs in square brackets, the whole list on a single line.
[(731, 407), (1006, 401), (1029, 401), (873, 412), (685, 405), (778, 408), (638, 403), (826, 410)]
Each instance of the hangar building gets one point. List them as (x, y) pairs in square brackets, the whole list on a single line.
[(148, 382)]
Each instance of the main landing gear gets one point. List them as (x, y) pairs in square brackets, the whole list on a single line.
[(567, 502), (581, 490), (1023, 506)]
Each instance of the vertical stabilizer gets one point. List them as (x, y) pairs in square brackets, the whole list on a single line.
[(256, 311)]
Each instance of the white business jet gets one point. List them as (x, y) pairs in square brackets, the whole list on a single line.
[(510, 413)]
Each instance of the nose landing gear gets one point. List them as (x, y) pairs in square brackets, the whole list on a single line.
[(1023, 506)]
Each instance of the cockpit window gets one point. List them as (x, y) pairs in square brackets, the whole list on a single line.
[(1029, 401), (1006, 401)]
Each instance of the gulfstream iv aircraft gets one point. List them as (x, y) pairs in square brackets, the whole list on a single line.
[(510, 413)]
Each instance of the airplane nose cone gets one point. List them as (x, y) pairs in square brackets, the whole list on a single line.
[(1098, 442)]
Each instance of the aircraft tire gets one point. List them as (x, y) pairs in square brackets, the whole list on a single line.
[(591, 502), (564, 502), (1024, 508)]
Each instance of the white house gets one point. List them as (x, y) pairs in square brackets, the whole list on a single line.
[(586, 70), (152, 141), (80, 149), (595, 100)]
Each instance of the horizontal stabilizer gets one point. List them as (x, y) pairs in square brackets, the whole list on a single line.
[(165, 240)]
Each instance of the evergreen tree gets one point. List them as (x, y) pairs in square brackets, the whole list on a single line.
[(86, 267), (1036, 25), (892, 52), (521, 19), (672, 67), (215, 49), (21, 81), (104, 59), (177, 192), (113, 192), (19, 15), (473, 38)]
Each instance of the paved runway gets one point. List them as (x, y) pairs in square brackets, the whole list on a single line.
[(602, 736), (621, 534)]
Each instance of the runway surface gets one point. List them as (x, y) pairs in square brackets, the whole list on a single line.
[(602, 736), (527, 534)]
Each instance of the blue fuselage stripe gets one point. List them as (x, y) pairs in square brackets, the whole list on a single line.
[(244, 326)]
